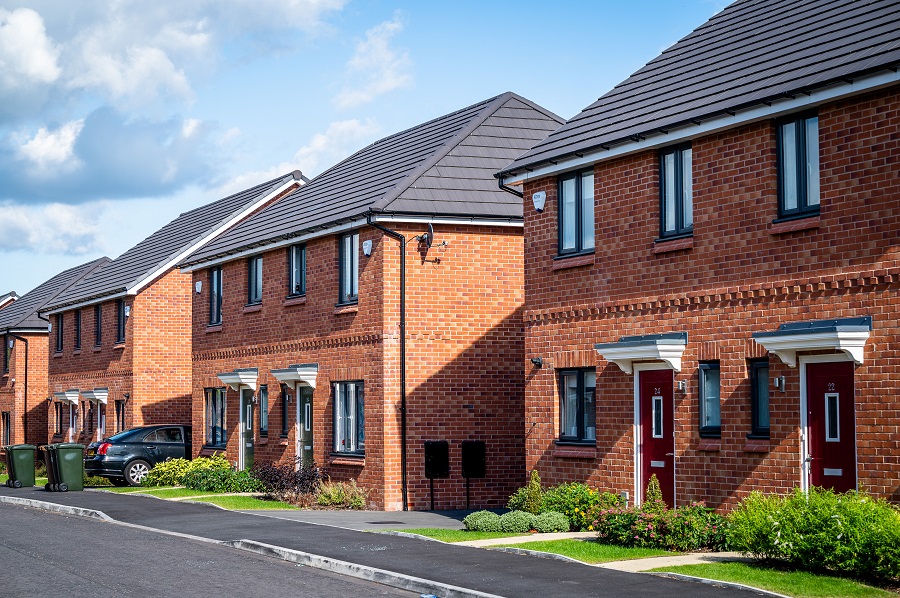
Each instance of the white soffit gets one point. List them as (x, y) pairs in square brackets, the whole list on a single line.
[(846, 335), (98, 395), (652, 347), (304, 374), (241, 377)]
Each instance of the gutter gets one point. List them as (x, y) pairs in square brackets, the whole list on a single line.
[(370, 220)]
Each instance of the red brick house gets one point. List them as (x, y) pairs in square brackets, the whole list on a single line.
[(305, 343), (24, 358), (712, 253), (120, 346)]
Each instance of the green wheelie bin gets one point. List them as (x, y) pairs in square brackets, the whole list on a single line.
[(70, 466), (50, 462), (20, 465)]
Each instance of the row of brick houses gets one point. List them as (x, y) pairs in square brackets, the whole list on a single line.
[(696, 277)]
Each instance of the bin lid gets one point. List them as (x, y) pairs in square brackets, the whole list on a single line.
[(69, 445), (24, 447)]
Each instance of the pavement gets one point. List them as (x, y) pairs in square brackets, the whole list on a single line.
[(332, 541)]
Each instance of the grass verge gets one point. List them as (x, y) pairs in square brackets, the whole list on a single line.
[(590, 551), (245, 503), (453, 535), (800, 584)]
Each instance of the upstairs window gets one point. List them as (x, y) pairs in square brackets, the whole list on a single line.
[(577, 409), (297, 265), (215, 296), (98, 324), (120, 321), (349, 268), (59, 333), (77, 326), (676, 191), (349, 420), (710, 404), (254, 279), (576, 212), (759, 398), (798, 167)]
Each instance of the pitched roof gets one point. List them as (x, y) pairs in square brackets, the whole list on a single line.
[(752, 52), (8, 298), (23, 313), (145, 260), (443, 167)]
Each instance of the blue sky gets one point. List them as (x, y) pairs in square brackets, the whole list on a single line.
[(117, 116)]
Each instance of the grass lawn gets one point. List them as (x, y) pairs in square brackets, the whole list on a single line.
[(590, 551), (37, 481), (244, 503), (790, 583), (453, 535)]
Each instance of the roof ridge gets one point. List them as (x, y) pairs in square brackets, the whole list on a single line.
[(478, 119)]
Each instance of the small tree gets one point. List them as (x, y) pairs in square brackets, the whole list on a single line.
[(534, 495), (653, 499)]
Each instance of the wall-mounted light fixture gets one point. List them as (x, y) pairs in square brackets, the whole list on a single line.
[(12, 343), (539, 198), (682, 385), (127, 311), (367, 247), (198, 286), (778, 381), (537, 361)]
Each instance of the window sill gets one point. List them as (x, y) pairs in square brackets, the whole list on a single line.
[(213, 328), (349, 308), (209, 451), (119, 345), (575, 451), (338, 459), (263, 440), (252, 307), (294, 300), (96, 348), (76, 352), (563, 262), (780, 227), (709, 445), (757, 445), (57, 354), (670, 245)]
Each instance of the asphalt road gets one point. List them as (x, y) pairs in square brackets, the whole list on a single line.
[(48, 554)]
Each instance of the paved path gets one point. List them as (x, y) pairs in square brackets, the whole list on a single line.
[(479, 571)]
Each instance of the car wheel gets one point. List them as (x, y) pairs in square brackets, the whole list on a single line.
[(119, 482), (136, 471)]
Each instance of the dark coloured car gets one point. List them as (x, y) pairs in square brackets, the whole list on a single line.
[(125, 458)]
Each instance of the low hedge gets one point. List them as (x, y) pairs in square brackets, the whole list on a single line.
[(687, 528), (482, 521)]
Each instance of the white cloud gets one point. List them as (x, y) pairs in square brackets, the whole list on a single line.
[(27, 55), (51, 228), (323, 151), (53, 150), (375, 67)]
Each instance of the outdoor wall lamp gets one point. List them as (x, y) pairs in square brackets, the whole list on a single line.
[(539, 198), (537, 361), (778, 381), (367, 247), (682, 385), (198, 286)]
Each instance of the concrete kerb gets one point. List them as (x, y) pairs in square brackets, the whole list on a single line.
[(715, 582), (64, 509)]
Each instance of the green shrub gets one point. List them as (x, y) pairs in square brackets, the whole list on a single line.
[(551, 522), (482, 521), (341, 494), (289, 482), (529, 497), (217, 479), (686, 528), (171, 472), (576, 501), (517, 522), (653, 498), (820, 530)]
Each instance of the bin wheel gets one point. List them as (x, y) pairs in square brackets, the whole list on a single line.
[(17, 484), (47, 487), (63, 488), (9, 483)]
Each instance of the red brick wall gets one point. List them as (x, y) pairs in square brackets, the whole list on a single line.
[(463, 329), (12, 390), (739, 276)]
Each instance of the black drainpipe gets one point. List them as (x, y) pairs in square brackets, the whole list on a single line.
[(507, 188), (25, 411), (395, 235)]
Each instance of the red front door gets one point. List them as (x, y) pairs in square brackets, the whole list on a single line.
[(657, 436), (831, 425)]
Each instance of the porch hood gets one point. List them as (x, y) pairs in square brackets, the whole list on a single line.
[(240, 377), (304, 373), (69, 396), (666, 347), (846, 335), (98, 395)]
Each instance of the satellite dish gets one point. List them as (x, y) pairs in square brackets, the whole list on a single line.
[(429, 238)]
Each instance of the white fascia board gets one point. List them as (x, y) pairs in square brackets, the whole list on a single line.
[(140, 284), (85, 303), (851, 343), (27, 331), (8, 300), (509, 222), (275, 245), (724, 122)]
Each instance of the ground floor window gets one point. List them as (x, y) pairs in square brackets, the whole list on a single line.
[(759, 398), (710, 404), (285, 400), (6, 425), (120, 416), (349, 420), (215, 417), (577, 410), (101, 419), (89, 418), (264, 410), (59, 418), (73, 418)]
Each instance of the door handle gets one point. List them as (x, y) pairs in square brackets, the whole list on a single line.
[(808, 459), (151, 448)]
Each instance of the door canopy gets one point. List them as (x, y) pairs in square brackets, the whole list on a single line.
[(666, 347), (98, 395), (240, 377), (69, 396), (846, 335), (300, 374)]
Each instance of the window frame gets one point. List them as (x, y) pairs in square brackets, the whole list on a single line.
[(210, 439), (805, 208), (98, 324), (580, 222), (293, 284), (264, 410), (708, 431), (285, 410), (120, 321), (681, 229), (754, 368), (254, 280), (357, 424), (59, 333), (215, 295), (120, 415), (581, 436), (77, 329), (348, 258), (59, 415)]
